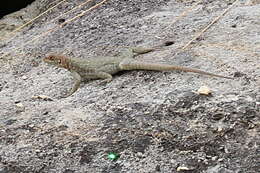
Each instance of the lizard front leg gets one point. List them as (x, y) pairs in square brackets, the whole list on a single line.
[(77, 79)]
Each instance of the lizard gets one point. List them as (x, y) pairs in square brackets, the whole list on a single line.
[(104, 67)]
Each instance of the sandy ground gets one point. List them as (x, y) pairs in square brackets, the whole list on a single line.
[(156, 121)]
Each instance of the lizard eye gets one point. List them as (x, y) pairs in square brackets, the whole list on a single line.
[(51, 57)]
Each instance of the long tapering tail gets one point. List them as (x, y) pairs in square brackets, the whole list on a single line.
[(137, 65)]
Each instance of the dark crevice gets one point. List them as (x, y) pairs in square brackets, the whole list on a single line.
[(10, 6)]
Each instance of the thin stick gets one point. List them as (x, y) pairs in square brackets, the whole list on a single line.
[(184, 13), (29, 22), (207, 27), (81, 14), (59, 17), (63, 14), (55, 28)]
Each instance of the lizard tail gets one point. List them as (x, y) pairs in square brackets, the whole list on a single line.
[(137, 65)]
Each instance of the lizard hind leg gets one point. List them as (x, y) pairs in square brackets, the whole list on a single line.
[(142, 50), (76, 86), (131, 52)]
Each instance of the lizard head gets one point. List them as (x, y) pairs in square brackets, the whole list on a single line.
[(57, 60)]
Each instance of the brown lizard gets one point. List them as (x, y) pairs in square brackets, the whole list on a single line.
[(105, 67)]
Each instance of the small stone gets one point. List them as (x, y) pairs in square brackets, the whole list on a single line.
[(183, 168), (214, 158), (113, 156), (204, 90), (220, 129), (24, 77), (43, 97), (19, 105), (220, 160)]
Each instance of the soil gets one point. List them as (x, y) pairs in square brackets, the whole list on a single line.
[(155, 121)]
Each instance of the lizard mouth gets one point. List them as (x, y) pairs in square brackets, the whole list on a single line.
[(48, 61), (57, 60), (51, 59)]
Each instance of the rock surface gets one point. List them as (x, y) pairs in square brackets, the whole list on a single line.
[(156, 121)]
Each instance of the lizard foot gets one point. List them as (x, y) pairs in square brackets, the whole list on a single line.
[(104, 82)]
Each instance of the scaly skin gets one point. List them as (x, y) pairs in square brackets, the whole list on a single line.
[(105, 67)]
